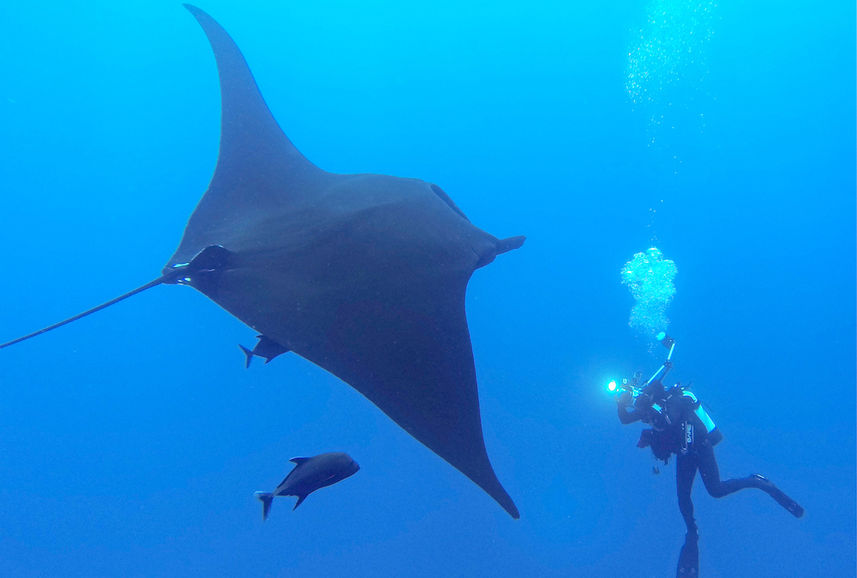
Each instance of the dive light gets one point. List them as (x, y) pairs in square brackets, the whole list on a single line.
[(617, 388), (614, 387)]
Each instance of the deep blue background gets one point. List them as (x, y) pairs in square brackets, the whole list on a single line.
[(131, 442)]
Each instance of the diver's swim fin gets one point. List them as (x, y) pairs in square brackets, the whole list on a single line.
[(780, 496), (795, 508), (786, 502), (688, 559)]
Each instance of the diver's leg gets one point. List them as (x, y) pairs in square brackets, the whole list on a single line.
[(718, 488), (710, 474), (685, 471)]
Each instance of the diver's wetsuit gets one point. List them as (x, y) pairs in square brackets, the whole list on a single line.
[(682, 427)]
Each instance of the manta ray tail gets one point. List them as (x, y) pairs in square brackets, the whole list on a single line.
[(212, 258), (266, 498), (148, 285)]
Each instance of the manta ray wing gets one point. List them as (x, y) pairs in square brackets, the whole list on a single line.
[(364, 275)]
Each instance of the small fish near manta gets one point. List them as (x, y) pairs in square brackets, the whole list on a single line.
[(265, 348), (309, 475), (364, 275)]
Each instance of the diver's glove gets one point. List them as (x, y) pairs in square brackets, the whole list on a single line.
[(625, 399)]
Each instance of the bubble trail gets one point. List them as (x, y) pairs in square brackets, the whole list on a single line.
[(649, 277)]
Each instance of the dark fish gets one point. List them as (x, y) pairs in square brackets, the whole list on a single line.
[(266, 348), (364, 275), (309, 475)]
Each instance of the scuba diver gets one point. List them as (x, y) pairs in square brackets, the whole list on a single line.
[(680, 425)]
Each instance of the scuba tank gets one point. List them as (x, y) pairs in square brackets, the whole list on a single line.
[(700, 421)]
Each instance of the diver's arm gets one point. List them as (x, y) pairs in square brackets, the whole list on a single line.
[(630, 415), (627, 412)]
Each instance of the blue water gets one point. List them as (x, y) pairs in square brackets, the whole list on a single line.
[(131, 442)]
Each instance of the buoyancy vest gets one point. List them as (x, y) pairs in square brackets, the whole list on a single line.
[(695, 422), (678, 422)]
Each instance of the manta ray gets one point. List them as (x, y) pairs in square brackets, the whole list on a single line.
[(362, 274)]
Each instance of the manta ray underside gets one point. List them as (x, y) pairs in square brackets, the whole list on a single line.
[(364, 275)]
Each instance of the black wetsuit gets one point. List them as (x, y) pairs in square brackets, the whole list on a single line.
[(680, 426)]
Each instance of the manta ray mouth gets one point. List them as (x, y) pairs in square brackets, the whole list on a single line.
[(212, 260)]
